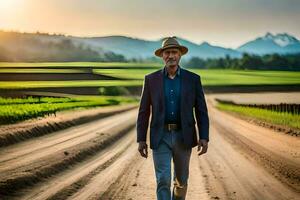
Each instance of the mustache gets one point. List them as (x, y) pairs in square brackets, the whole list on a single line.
[(171, 60)]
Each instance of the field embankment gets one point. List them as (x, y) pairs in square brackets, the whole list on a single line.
[(15, 133)]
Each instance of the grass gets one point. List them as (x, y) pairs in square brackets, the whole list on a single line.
[(31, 100), (78, 64), (279, 118), (55, 84), (14, 110), (38, 70), (217, 77), (136, 76), (135, 73)]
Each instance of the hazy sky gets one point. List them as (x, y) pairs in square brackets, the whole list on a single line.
[(227, 23)]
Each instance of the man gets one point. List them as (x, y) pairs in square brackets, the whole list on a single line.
[(170, 95)]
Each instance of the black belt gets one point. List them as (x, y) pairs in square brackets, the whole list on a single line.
[(172, 127)]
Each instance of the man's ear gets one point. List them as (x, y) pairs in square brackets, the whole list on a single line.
[(180, 53)]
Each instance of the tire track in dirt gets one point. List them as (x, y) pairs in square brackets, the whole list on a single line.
[(278, 153), (229, 170), (139, 181), (231, 174), (59, 155), (100, 183), (70, 181), (23, 153), (243, 161)]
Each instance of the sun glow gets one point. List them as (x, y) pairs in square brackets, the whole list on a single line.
[(8, 4), (10, 13)]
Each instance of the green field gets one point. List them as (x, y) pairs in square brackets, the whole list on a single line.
[(249, 77), (135, 73), (218, 77), (55, 84), (14, 110), (273, 117), (78, 64), (208, 78), (39, 70)]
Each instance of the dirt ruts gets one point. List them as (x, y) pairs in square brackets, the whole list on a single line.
[(22, 167), (11, 134)]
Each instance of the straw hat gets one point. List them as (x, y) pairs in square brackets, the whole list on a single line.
[(170, 42)]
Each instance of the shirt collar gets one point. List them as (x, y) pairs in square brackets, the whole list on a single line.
[(177, 71)]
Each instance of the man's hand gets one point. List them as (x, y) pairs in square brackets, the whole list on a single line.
[(143, 149), (204, 145)]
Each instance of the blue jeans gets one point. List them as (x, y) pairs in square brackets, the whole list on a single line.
[(171, 146)]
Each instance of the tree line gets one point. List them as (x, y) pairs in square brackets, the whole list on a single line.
[(248, 61)]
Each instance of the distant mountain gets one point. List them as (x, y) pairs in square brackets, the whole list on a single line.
[(281, 43), (138, 48), (129, 47), (17, 46), (39, 43), (205, 50), (38, 47)]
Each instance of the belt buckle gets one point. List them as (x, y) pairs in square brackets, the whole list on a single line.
[(172, 127), (169, 127)]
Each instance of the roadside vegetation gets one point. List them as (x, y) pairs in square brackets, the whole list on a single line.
[(18, 109), (281, 114)]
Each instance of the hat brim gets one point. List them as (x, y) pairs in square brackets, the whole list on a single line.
[(182, 49)]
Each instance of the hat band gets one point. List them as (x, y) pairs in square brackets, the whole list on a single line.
[(171, 45)]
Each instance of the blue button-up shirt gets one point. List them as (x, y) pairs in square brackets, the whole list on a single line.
[(172, 97)]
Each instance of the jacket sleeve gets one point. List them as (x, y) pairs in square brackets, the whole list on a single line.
[(201, 111), (144, 112)]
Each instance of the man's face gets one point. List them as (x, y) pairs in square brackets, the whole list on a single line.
[(171, 57)]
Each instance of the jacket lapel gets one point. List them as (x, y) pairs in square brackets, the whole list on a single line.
[(161, 90), (183, 86)]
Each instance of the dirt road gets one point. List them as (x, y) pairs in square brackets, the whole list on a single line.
[(99, 160), (244, 161)]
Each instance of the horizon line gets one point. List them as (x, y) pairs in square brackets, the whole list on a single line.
[(134, 37)]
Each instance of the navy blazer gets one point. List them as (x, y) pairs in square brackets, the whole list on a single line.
[(191, 97)]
